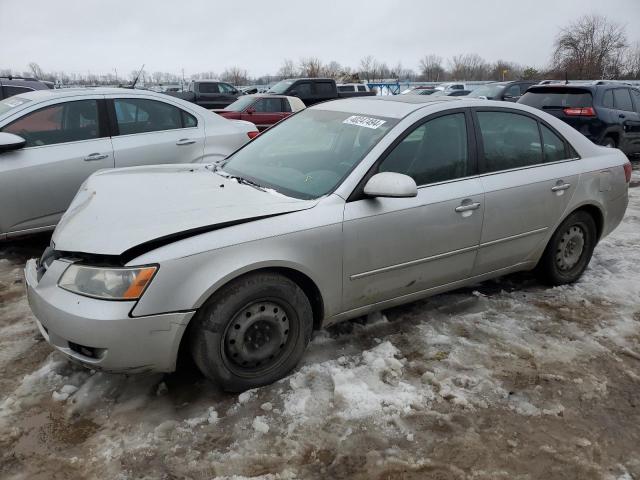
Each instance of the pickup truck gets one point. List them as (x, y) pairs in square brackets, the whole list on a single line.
[(210, 94), (313, 90)]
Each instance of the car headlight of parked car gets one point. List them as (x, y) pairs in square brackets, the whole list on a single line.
[(108, 283)]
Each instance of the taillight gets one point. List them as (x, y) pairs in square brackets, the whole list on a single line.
[(580, 112), (627, 171), (253, 134)]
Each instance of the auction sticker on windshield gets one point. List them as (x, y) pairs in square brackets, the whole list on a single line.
[(366, 122)]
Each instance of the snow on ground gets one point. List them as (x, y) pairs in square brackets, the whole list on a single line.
[(505, 380)]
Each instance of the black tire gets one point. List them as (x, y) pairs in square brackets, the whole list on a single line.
[(252, 332), (609, 142), (564, 260)]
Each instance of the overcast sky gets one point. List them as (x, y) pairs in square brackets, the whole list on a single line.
[(208, 35)]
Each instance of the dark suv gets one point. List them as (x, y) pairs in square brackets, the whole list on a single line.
[(506, 91), (607, 113), (10, 86)]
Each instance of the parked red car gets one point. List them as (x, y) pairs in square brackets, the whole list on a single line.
[(262, 110)]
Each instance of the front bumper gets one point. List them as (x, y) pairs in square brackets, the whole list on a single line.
[(98, 333)]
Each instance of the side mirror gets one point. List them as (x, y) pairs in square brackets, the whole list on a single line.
[(391, 184), (250, 110), (9, 142), (293, 93)]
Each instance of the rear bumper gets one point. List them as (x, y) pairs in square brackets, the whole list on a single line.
[(100, 334)]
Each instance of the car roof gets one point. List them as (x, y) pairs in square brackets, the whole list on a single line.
[(393, 106), (48, 94)]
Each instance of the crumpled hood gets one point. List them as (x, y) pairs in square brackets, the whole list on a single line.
[(116, 210)]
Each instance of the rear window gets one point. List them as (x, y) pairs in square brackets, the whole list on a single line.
[(557, 98)]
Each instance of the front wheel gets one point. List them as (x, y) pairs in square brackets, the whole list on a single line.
[(569, 251), (252, 332)]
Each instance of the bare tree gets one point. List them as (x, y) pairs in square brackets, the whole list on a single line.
[(468, 66), (367, 67), (632, 62), (310, 67), (592, 47), (288, 69), (36, 71), (235, 76), (431, 68), (332, 69), (502, 70)]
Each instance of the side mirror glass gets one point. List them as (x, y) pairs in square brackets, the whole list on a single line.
[(391, 184), (9, 142)]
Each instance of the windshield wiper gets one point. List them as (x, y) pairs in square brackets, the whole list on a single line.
[(243, 180)]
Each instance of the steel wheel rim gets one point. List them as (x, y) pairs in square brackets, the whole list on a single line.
[(570, 248), (258, 337)]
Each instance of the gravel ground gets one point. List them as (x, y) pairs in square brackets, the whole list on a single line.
[(506, 380)]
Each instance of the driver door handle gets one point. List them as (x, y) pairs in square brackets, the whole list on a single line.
[(467, 207), (95, 156), (561, 187), (185, 141)]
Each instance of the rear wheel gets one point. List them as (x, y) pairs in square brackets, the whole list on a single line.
[(569, 250), (252, 332)]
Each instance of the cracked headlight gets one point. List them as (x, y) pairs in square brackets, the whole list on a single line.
[(126, 283)]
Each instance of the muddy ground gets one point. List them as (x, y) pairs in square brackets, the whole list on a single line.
[(506, 380)]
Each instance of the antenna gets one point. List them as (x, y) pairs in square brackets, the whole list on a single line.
[(133, 85)]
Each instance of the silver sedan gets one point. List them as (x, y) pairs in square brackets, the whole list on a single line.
[(52, 140), (345, 208)]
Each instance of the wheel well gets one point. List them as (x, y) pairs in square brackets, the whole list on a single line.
[(597, 216), (309, 288)]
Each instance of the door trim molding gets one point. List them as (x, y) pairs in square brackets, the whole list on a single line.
[(411, 263), (513, 237), (398, 266)]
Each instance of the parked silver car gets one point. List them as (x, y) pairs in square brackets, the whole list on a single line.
[(52, 140), (345, 208)]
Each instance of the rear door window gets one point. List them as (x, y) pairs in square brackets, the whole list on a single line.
[(60, 123), (550, 98), (622, 99), (138, 115), (509, 140), (362, 88)]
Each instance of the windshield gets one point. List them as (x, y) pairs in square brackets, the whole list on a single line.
[(308, 155), (281, 87), (11, 103), (489, 91), (555, 97), (240, 104)]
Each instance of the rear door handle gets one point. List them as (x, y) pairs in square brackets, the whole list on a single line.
[(468, 206), (559, 188), (95, 156), (185, 141)]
